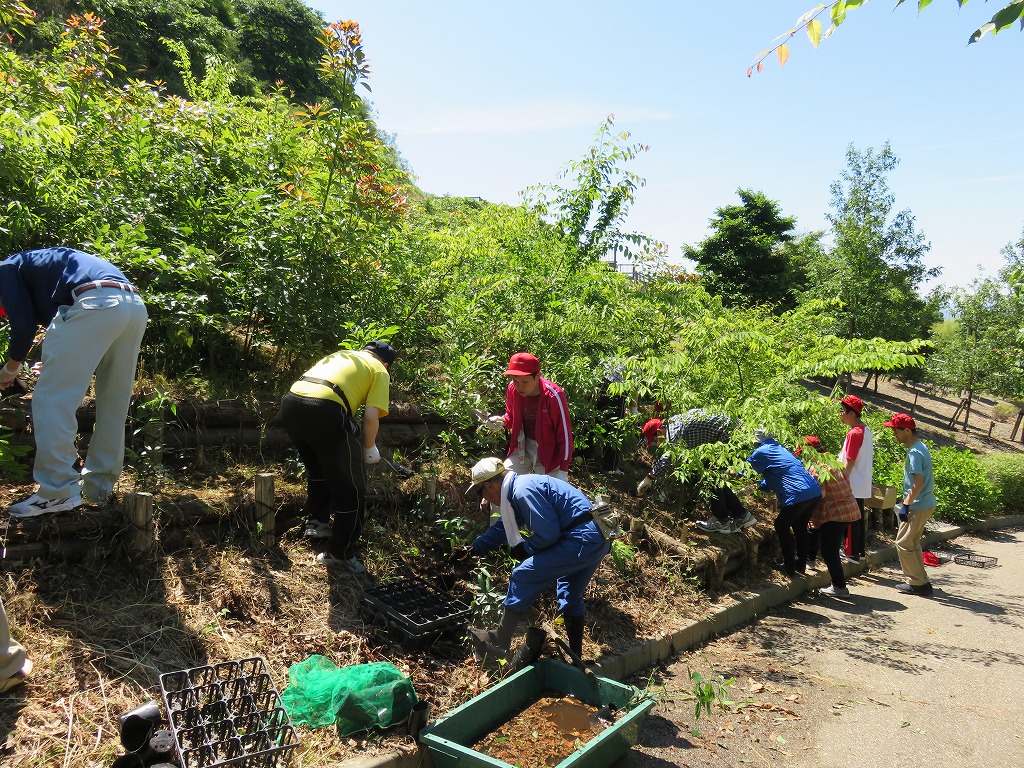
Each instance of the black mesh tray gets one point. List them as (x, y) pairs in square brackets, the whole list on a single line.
[(228, 714), (976, 561), (415, 608)]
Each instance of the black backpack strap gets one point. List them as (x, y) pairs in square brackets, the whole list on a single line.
[(330, 385)]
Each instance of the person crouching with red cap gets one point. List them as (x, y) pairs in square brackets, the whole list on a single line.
[(537, 418)]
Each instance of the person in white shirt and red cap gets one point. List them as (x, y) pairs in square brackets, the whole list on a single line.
[(857, 456), (537, 419)]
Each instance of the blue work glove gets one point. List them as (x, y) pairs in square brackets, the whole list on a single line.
[(519, 552), (904, 513)]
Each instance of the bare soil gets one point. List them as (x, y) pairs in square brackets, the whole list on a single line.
[(102, 630)]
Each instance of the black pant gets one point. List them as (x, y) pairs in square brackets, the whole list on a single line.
[(831, 537), (791, 528), (726, 505), (328, 443)]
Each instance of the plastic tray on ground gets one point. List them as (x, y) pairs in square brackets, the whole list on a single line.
[(450, 738), (228, 715), (976, 561), (414, 610)]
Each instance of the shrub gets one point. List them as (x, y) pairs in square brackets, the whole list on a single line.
[(963, 491), (1003, 411), (1006, 472)]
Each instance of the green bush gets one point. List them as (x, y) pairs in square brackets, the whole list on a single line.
[(1006, 472), (963, 491)]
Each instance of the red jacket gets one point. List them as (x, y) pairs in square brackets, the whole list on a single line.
[(554, 429)]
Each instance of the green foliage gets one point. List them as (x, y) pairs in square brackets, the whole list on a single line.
[(262, 42), (962, 490), (1006, 472), (589, 213), (709, 692), (240, 219), (11, 465), (745, 260), (875, 266), (983, 350)]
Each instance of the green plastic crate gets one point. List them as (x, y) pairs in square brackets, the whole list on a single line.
[(447, 740)]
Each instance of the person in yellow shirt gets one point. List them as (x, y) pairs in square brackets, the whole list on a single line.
[(319, 415)]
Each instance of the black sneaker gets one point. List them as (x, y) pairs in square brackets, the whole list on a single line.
[(922, 590)]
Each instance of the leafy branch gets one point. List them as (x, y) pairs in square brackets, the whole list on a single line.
[(1010, 13)]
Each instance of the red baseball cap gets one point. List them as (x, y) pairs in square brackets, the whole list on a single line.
[(900, 421), (651, 429), (854, 403), (522, 364), (810, 440)]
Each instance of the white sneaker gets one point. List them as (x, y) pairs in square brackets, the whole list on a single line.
[(744, 522), (316, 529), (833, 591), (35, 506), (353, 563), (714, 525)]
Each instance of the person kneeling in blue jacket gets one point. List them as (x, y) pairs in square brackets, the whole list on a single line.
[(565, 545)]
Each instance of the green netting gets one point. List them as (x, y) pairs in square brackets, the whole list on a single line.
[(357, 698)]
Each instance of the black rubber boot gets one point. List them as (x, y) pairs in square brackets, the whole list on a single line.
[(574, 633), (491, 645)]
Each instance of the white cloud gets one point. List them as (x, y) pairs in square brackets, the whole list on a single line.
[(517, 119)]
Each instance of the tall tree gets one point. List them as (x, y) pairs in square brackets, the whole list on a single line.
[(746, 260), (875, 266)]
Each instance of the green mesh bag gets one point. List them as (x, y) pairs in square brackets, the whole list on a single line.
[(356, 698)]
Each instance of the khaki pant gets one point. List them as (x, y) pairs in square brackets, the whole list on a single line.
[(908, 546), (12, 655)]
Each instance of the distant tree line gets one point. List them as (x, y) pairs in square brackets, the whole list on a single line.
[(264, 42)]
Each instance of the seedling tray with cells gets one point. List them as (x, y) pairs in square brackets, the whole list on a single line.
[(228, 714), (415, 607)]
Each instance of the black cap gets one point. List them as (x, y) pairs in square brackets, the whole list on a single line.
[(383, 350)]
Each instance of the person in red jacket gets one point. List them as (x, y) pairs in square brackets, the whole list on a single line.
[(537, 418)]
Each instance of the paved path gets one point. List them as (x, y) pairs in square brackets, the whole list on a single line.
[(886, 680)]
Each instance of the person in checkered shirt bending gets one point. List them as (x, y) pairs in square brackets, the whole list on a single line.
[(693, 428)]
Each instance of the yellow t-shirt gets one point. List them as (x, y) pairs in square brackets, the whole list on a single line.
[(361, 376)]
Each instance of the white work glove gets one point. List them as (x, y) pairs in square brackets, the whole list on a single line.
[(644, 485), (7, 375), (495, 424), (371, 455)]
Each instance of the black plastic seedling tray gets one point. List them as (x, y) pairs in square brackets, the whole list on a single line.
[(976, 561), (228, 714), (416, 612)]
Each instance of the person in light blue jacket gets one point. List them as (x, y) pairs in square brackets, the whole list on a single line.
[(798, 494)]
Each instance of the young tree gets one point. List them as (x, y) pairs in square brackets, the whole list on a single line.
[(875, 265), (745, 260)]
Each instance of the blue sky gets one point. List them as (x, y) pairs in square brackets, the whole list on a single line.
[(486, 99)]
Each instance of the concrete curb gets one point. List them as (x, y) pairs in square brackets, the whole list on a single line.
[(735, 610)]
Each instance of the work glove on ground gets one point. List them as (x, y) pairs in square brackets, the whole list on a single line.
[(495, 424), (645, 485), (904, 513), (371, 455)]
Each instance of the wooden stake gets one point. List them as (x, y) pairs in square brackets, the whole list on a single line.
[(264, 510), (138, 508)]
